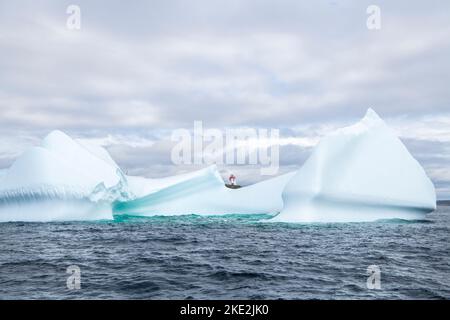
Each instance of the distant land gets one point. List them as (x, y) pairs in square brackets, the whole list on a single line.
[(443, 202), (233, 186)]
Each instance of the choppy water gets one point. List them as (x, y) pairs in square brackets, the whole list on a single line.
[(225, 258)]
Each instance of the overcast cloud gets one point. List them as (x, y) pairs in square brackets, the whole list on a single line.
[(135, 71)]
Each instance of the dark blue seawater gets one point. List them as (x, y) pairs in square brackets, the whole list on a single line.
[(225, 258)]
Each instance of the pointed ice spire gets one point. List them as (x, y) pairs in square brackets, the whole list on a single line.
[(371, 118), (369, 121), (359, 173)]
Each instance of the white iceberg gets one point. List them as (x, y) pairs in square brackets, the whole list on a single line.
[(202, 192), (359, 173), (61, 179), (65, 179)]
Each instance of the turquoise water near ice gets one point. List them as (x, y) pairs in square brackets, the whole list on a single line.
[(231, 257)]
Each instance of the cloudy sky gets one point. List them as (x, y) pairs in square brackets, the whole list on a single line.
[(136, 71)]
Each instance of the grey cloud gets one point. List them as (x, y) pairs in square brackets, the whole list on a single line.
[(151, 66)]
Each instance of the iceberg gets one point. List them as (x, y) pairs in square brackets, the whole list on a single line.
[(65, 179), (359, 173), (202, 192), (61, 179)]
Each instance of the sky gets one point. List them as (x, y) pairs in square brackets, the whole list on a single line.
[(134, 72)]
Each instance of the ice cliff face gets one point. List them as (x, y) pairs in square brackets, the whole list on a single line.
[(359, 173)]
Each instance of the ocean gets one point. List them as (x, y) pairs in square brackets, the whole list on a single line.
[(232, 257)]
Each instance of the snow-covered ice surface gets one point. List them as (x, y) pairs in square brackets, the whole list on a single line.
[(60, 180), (359, 173), (203, 193)]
